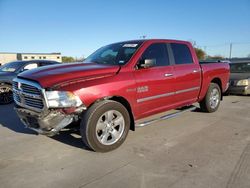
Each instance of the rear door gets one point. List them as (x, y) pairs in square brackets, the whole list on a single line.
[(187, 74), (154, 89)]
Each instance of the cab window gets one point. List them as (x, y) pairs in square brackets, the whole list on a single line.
[(182, 54), (158, 52)]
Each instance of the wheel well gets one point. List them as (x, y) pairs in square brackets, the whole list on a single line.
[(125, 103), (218, 81)]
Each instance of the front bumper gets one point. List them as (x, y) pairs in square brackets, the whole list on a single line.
[(241, 90), (49, 123)]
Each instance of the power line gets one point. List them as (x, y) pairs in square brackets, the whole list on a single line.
[(225, 44), (240, 42), (231, 45)]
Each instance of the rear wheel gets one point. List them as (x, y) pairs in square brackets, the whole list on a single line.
[(105, 126), (6, 95), (212, 99)]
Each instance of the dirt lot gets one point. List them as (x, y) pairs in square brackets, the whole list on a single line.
[(193, 150)]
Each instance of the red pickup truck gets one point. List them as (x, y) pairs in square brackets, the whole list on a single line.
[(115, 86)]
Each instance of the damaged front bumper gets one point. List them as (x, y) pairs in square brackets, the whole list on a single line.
[(49, 123), (46, 112)]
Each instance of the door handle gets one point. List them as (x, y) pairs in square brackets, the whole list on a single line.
[(168, 75), (194, 71)]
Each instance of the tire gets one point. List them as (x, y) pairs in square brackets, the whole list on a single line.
[(105, 125), (211, 101), (6, 95)]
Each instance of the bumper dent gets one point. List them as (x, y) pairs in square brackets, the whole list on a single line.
[(48, 124)]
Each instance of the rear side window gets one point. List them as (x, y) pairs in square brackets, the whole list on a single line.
[(30, 66), (182, 54), (158, 52)]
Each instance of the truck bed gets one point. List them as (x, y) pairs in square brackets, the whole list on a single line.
[(209, 62), (213, 70)]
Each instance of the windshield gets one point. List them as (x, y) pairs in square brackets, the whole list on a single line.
[(114, 54), (240, 68), (10, 67)]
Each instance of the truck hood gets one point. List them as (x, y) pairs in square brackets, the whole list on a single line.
[(239, 76), (56, 75)]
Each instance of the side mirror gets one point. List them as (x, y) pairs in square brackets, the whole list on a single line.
[(22, 70), (146, 63)]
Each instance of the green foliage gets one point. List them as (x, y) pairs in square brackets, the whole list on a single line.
[(67, 59), (200, 53)]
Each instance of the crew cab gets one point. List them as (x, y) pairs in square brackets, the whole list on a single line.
[(116, 86)]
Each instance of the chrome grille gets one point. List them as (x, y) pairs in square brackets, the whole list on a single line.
[(30, 89), (15, 85), (16, 97), (28, 94), (36, 103)]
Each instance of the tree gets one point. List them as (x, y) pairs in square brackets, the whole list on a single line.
[(67, 59), (200, 53), (80, 59)]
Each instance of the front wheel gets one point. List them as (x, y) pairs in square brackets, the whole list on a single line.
[(6, 95), (212, 99), (105, 125)]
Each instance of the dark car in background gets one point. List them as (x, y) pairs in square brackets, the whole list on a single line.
[(10, 70), (239, 78)]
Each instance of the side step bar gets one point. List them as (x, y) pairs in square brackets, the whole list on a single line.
[(168, 116)]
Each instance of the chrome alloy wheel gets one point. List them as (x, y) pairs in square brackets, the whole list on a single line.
[(214, 98), (110, 127), (6, 95)]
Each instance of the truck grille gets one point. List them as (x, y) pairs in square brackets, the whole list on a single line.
[(28, 94), (30, 89)]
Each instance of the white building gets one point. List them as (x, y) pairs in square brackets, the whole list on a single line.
[(8, 57)]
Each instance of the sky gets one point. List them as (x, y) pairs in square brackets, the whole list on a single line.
[(78, 27)]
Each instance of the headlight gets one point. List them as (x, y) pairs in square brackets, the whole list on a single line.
[(57, 99), (244, 82)]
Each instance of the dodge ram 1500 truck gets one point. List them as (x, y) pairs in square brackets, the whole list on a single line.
[(115, 86)]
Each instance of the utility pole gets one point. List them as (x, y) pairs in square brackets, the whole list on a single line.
[(205, 50), (230, 52)]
